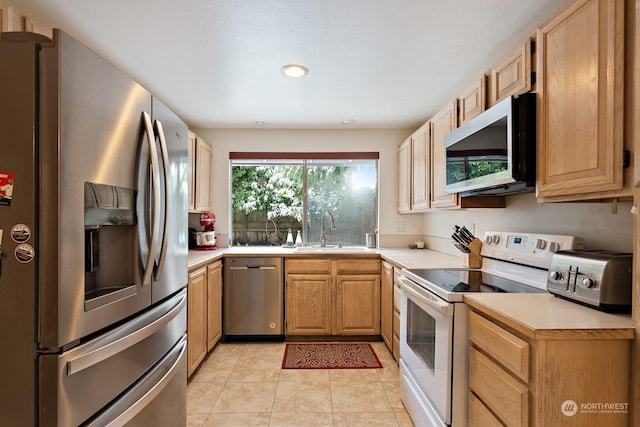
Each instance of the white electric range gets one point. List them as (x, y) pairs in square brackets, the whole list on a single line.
[(433, 325)]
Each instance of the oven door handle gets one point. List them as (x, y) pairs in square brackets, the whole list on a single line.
[(443, 307)]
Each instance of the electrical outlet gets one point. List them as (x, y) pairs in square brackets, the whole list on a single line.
[(401, 226), (472, 228)]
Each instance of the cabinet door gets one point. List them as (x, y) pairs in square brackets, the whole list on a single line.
[(11, 18), (196, 319), (580, 100), (512, 75), (358, 304), (420, 161), (386, 305), (473, 100), (308, 304), (404, 176), (443, 123), (214, 304), (203, 176), (191, 154)]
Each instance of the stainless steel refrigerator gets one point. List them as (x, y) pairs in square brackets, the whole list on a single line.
[(93, 242)]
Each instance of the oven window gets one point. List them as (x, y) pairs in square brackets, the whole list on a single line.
[(421, 334)]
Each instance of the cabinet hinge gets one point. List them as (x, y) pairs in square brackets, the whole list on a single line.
[(626, 158), (533, 77), (533, 47)]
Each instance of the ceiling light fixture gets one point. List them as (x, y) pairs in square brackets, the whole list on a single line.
[(260, 123), (347, 122), (294, 70)]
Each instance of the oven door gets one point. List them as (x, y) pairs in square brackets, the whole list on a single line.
[(426, 340)]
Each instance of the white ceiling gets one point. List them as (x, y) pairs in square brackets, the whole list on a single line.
[(382, 63)]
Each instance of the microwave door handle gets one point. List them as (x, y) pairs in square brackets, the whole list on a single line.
[(155, 200), (427, 298), (165, 198)]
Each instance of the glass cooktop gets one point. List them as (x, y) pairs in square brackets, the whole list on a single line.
[(466, 280)]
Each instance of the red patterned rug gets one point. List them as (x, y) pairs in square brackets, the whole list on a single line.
[(330, 356)]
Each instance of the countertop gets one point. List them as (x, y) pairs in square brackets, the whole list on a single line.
[(544, 316), (405, 258), (539, 316)]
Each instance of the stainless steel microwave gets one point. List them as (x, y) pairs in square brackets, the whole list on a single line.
[(495, 152)]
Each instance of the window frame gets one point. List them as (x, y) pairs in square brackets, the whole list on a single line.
[(304, 158)]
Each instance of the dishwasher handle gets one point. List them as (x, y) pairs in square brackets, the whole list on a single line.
[(246, 267)]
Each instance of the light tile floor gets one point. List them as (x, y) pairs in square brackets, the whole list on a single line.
[(243, 385)]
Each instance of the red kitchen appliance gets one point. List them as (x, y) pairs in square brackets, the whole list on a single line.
[(206, 239)]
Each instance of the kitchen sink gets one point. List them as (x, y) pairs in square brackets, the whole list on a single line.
[(331, 249)]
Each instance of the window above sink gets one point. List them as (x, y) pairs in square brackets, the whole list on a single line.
[(272, 193)]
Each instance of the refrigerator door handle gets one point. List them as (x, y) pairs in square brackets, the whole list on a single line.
[(165, 198), (126, 338), (155, 200), (136, 399)]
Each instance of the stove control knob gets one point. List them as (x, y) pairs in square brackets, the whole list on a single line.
[(555, 275), (540, 244), (496, 239), (553, 247), (588, 283), (488, 239)]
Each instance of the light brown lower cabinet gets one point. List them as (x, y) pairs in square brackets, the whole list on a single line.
[(386, 304), (204, 312), (196, 319), (397, 296), (550, 378), (326, 296), (214, 304)]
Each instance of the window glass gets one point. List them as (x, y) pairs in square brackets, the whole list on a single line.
[(269, 198)]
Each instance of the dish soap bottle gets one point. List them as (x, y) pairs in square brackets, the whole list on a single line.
[(299, 238), (289, 238)]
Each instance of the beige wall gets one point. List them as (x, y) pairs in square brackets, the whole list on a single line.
[(593, 221), (385, 142)]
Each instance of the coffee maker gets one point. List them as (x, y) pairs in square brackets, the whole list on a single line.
[(206, 239)]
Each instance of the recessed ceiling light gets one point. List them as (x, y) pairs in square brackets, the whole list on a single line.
[(260, 123), (294, 70), (348, 122)]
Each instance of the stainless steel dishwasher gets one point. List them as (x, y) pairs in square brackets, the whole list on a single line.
[(253, 298)]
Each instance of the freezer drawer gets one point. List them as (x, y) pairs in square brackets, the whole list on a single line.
[(80, 384)]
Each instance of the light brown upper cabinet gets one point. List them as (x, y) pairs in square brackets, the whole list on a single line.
[(404, 176), (443, 123), (512, 75), (420, 166), (414, 167), (199, 153), (473, 100), (12, 19), (581, 103)]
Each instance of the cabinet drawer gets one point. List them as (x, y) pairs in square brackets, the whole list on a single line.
[(479, 415), (500, 392), (310, 266), (501, 345), (358, 266)]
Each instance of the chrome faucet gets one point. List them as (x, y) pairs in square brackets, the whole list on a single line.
[(323, 236)]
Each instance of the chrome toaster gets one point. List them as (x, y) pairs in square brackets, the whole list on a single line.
[(599, 279)]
